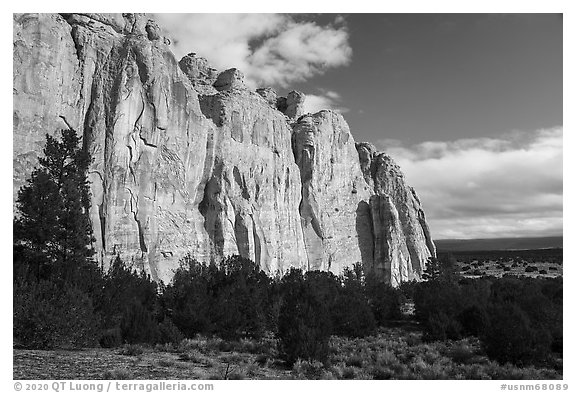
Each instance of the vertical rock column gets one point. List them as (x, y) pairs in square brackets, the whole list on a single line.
[(333, 192), (402, 240)]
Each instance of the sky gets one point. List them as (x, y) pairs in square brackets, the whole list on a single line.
[(469, 105)]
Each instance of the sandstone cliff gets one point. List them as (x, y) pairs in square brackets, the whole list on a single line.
[(188, 159)]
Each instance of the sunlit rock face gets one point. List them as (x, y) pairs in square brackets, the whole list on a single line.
[(187, 159)]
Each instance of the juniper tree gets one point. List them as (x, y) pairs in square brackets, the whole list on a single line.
[(52, 232)]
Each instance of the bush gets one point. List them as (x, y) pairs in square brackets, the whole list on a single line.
[(437, 305), (122, 288), (304, 324), (352, 316), (384, 301), (48, 316), (138, 325), (231, 300), (440, 326), (111, 338), (511, 338), (169, 333), (131, 350), (474, 320), (350, 309)]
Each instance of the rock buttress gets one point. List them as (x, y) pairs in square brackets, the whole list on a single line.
[(251, 202), (333, 193)]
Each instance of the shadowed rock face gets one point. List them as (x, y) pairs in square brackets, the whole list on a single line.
[(228, 171)]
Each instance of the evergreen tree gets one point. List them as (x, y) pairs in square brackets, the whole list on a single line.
[(52, 234)]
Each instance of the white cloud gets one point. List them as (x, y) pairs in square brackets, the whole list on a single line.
[(327, 99), (488, 187), (270, 49)]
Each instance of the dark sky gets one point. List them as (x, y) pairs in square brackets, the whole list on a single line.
[(422, 77)]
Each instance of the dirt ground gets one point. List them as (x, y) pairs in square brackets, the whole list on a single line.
[(109, 364)]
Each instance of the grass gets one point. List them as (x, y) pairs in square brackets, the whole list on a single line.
[(392, 353)]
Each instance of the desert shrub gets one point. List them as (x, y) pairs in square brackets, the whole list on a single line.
[(437, 305), (168, 332), (351, 312), (511, 338), (440, 326), (111, 338), (462, 354), (304, 323), (352, 317), (385, 301), (47, 315), (131, 350), (138, 325), (231, 300), (124, 286), (117, 373), (473, 320), (305, 369)]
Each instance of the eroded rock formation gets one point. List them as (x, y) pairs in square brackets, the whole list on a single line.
[(190, 160)]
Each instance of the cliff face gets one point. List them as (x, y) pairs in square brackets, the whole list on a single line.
[(186, 159)]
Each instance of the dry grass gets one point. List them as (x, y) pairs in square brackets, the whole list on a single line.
[(393, 353)]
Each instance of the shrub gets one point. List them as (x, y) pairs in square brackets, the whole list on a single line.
[(384, 301), (441, 327), (117, 373), (168, 332), (48, 316), (304, 324), (131, 350), (474, 320), (305, 369), (511, 338), (352, 316), (123, 289), (111, 338), (231, 300), (138, 325)]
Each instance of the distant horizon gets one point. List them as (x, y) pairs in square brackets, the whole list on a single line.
[(500, 238)]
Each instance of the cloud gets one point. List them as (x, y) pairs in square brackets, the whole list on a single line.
[(488, 187), (270, 49), (327, 99)]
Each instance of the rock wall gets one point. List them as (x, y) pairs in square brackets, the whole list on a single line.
[(189, 160)]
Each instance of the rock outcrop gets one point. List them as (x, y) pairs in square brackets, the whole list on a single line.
[(189, 160)]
